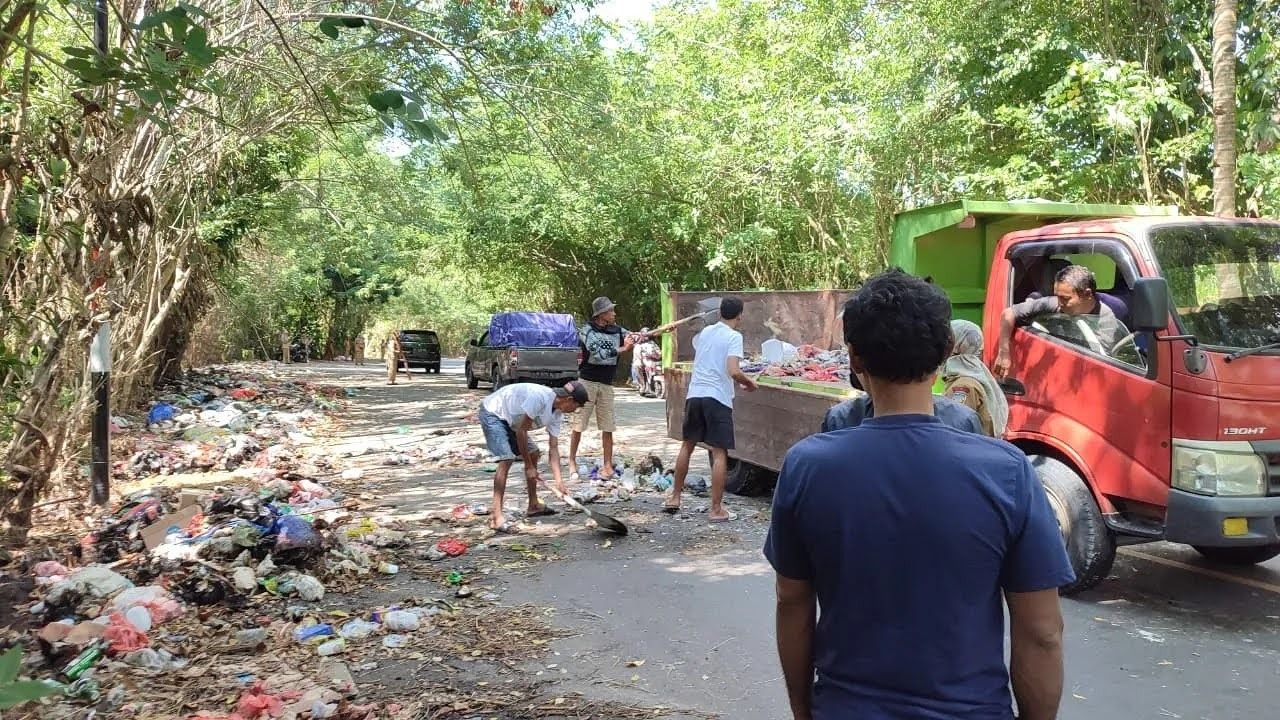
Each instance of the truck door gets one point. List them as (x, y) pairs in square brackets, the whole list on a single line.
[(1102, 405)]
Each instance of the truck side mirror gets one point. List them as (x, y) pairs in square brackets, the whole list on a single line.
[(1149, 305), (474, 343)]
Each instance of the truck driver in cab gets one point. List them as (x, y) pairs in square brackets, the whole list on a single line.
[(1075, 294)]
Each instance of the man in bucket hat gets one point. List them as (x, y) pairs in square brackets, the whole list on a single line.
[(506, 417), (602, 341)]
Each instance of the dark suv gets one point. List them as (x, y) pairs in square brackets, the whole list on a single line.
[(421, 349)]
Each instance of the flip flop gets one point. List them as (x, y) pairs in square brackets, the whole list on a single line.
[(546, 511), (507, 528), (722, 520), (671, 509)]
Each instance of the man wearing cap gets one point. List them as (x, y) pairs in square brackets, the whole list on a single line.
[(602, 341), (506, 417)]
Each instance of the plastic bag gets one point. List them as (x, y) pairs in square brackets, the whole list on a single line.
[(123, 636), (162, 412), (50, 572), (256, 701), (356, 629), (309, 588), (155, 599), (294, 533)]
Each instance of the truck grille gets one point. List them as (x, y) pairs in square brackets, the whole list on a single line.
[(1270, 452)]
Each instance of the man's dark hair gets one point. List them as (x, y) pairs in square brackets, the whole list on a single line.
[(1079, 277), (899, 326), (730, 308)]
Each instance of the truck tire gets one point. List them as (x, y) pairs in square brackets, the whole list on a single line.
[(1091, 545), (1242, 555), (748, 480), (472, 382)]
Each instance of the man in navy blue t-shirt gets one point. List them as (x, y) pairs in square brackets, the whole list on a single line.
[(908, 534)]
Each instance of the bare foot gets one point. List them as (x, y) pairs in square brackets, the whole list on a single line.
[(496, 520)]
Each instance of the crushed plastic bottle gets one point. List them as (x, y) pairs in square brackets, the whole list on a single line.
[(395, 641), (357, 629), (253, 637)]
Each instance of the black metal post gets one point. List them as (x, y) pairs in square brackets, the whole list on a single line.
[(100, 26), (100, 372), (100, 347)]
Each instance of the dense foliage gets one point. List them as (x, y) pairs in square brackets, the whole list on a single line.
[(234, 169)]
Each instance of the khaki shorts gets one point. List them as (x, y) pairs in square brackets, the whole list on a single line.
[(599, 403)]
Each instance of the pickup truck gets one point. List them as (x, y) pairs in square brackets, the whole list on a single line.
[(1172, 434), (525, 347)]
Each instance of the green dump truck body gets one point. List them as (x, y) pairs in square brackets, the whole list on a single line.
[(953, 243)]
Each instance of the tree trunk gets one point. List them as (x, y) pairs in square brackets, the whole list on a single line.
[(1224, 108)]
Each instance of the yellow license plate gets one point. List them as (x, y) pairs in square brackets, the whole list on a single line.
[(1235, 527)]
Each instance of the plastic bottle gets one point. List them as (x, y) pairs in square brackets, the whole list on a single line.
[(402, 621), (85, 660)]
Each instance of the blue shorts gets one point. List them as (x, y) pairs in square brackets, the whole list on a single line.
[(498, 436)]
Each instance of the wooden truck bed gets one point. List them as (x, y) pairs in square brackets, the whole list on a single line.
[(767, 422)]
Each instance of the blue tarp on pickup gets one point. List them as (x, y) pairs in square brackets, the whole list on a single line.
[(532, 329)]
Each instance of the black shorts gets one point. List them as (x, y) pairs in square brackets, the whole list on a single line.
[(708, 421)]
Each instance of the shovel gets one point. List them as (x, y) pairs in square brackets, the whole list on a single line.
[(706, 308), (605, 522)]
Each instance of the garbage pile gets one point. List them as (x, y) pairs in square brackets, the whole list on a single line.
[(221, 420), (629, 478), (809, 363)]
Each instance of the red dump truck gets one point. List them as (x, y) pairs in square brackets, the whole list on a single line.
[(1171, 434)]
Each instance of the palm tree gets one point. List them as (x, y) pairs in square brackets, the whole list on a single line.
[(1224, 108)]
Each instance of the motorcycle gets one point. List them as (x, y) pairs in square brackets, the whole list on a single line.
[(651, 382)]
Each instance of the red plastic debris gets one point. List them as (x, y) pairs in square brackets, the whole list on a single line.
[(123, 636), (256, 701), (452, 547), (244, 394)]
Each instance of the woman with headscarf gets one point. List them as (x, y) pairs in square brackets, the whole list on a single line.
[(968, 381)]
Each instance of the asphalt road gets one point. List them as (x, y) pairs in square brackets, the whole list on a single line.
[(1167, 635)]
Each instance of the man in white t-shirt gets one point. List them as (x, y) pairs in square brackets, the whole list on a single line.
[(506, 417), (708, 409)]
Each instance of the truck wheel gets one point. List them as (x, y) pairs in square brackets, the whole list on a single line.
[(1243, 555), (1091, 545), (472, 383), (748, 480)]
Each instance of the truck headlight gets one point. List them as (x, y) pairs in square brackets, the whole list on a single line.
[(1218, 468)]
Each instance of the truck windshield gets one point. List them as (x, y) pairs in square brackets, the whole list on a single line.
[(1224, 279)]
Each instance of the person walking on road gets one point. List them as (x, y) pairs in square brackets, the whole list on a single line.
[(358, 351), (285, 356), (708, 409), (907, 535), (506, 417), (602, 341), (394, 353)]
